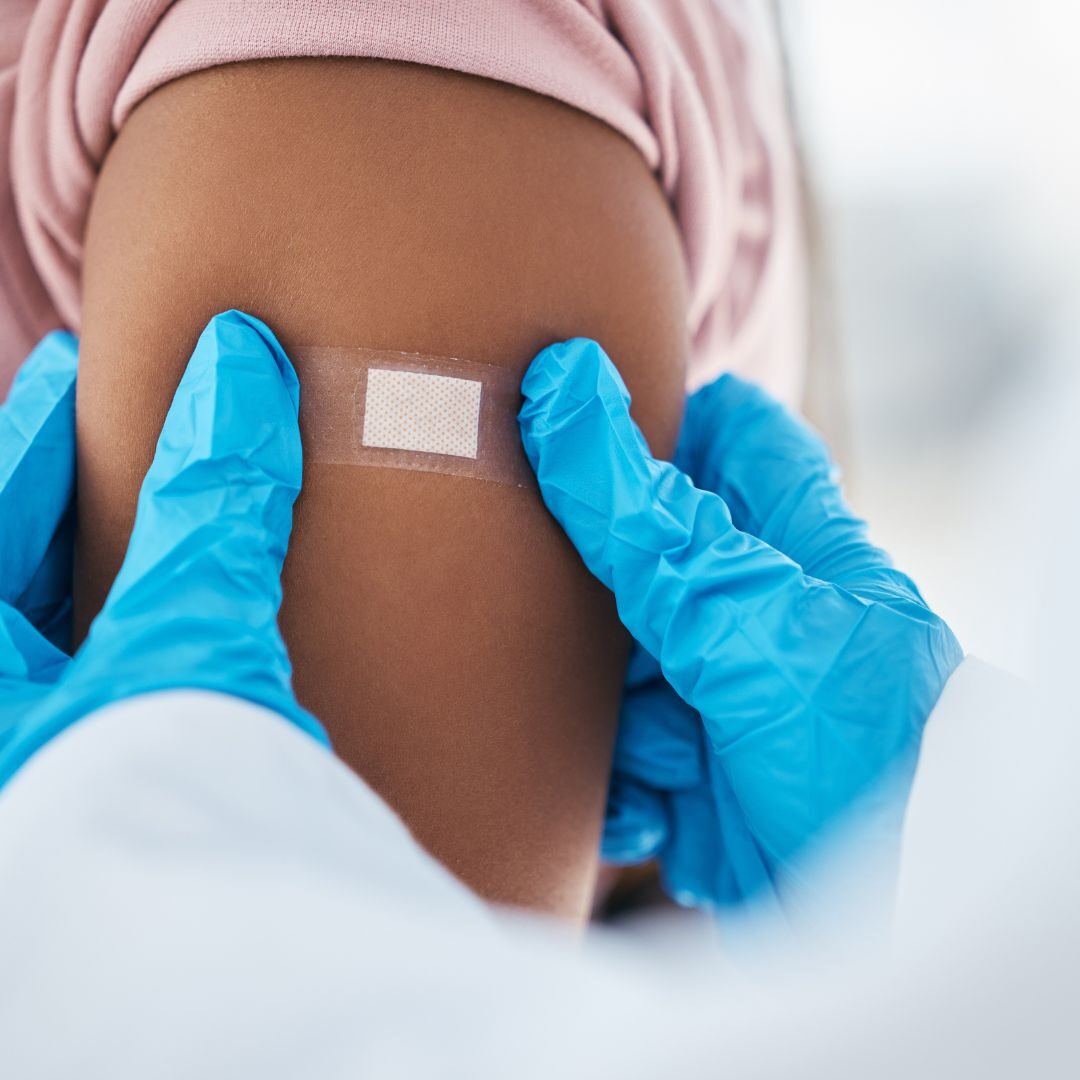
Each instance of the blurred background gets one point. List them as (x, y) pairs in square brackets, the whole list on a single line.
[(944, 159)]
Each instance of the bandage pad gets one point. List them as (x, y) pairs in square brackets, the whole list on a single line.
[(397, 410)]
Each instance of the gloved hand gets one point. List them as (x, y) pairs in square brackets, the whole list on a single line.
[(196, 601), (784, 667)]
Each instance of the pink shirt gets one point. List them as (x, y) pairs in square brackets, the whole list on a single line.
[(694, 84)]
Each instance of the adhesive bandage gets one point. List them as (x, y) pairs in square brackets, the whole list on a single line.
[(408, 411)]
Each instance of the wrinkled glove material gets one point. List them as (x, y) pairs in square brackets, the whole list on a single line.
[(196, 601), (784, 666)]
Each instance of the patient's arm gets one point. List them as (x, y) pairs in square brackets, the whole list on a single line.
[(445, 631)]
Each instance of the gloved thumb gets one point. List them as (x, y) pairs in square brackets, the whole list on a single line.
[(641, 526), (196, 601)]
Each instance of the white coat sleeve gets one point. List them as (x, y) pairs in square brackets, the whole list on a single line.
[(189, 887)]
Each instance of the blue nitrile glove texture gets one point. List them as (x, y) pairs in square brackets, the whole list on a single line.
[(784, 668), (196, 601)]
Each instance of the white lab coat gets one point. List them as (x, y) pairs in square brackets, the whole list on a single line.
[(193, 888)]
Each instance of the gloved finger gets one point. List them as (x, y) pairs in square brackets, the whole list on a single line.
[(659, 747), (29, 668), (660, 740), (709, 858), (692, 863), (635, 822), (196, 601), (26, 658), (37, 459), (46, 600), (687, 583), (780, 484), (712, 860)]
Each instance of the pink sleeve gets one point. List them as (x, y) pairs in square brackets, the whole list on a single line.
[(26, 310), (695, 85)]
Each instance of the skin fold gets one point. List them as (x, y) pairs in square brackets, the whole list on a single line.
[(445, 631)]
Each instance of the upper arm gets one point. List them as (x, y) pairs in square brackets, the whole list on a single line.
[(445, 631)]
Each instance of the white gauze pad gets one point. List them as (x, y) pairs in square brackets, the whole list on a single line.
[(409, 411)]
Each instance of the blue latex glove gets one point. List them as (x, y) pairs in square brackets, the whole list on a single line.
[(195, 603), (37, 482), (784, 667)]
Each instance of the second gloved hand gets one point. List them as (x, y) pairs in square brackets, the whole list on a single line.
[(784, 667), (196, 601)]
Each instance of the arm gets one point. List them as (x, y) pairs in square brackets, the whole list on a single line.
[(393, 206)]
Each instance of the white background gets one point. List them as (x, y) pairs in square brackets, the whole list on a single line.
[(942, 142)]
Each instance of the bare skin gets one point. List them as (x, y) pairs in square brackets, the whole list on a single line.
[(463, 660)]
